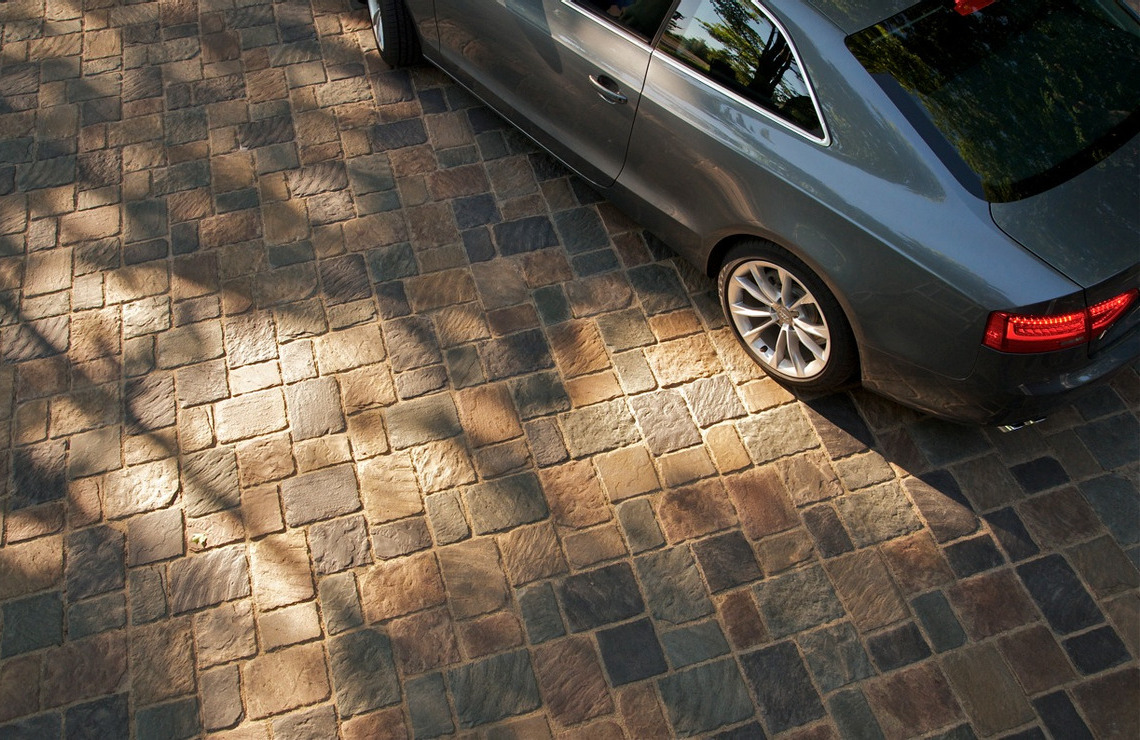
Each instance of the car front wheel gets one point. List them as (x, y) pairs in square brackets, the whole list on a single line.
[(786, 318), (395, 31)]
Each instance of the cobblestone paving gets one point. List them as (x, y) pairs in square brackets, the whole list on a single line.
[(331, 406)]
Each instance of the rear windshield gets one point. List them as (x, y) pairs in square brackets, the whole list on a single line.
[(1018, 96)]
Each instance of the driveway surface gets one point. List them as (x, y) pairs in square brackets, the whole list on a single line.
[(332, 406)]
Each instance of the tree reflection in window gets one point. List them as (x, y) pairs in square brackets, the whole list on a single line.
[(736, 45)]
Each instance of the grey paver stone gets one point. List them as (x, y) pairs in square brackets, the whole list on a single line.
[(422, 420), (154, 536), (505, 503), (363, 671), (673, 586), (321, 494), (210, 481)]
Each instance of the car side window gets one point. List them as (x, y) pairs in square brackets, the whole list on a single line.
[(642, 18), (737, 45)]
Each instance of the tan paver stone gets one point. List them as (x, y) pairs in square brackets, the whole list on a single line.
[(349, 348), (695, 510), (284, 680), (863, 583), (574, 494), (225, 633), (474, 577), (250, 415), (280, 569), (30, 567), (289, 626), (627, 472), (401, 586), (388, 488), (989, 692), (591, 546), (492, 633), (531, 553), (367, 435), (442, 464), (572, 683), (141, 488), (261, 510), (162, 661)]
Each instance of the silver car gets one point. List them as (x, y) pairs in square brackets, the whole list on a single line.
[(941, 199)]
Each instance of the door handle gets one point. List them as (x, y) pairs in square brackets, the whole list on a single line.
[(608, 89)]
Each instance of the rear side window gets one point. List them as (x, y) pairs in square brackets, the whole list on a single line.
[(642, 18), (737, 45)]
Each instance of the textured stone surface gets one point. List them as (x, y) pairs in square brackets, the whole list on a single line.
[(209, 578), (335, 407)]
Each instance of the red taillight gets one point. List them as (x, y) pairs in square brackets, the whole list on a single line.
[(967, 7), (1022, 333)]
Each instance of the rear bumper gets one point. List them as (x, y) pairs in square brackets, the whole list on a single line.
[(1003, 388)]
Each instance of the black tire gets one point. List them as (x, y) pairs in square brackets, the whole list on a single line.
[(786, 318), (395, 33)]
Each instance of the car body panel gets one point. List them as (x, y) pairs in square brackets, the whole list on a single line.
[(1081, 225), (536, 58)]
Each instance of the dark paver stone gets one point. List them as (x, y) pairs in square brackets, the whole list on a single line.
[(95, 562), (147, 595), (345, 279), (209, 578), (600, 597), (938, 620), (540, 394), (47, 173), (631, 652), (412, 343), (493, 689), (144, 219), (1040, 474), (943, 442), (839, 425), (97, 615), (1096, 651), (641, 529), (1117, 503), (524, 235), (581, 230), (1114, 442), (94, 720), (694, 643), (659, 288), (825, 526), (540, 614), (836, 656), (727, 560), (32, 623), (340, 603), (506, 503), (694, 709), (1061, 718), (782, 687), (1012, 534), (798, 601), (1059, 594), (447, 520), (516, 354), (38, 474), (174, 721), (853, 716), (427, 705), (973, 556), (33, 728), (363, 672), (673, 586), (276, 130), (322, 494), (897, 647), (398, 135)]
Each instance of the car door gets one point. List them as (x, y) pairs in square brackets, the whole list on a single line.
[(568, 72)]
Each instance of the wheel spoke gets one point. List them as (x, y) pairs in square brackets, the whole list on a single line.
[(814, 330), (751, 333), (787, 283), (805, 339), (762, 284), (739, 309)]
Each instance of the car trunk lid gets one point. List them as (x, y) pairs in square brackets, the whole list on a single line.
[(1088, 227)]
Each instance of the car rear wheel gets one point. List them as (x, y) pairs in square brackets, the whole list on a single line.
[(786, 318), (395, 31)]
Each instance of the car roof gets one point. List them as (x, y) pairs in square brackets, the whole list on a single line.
[(855, 15)]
